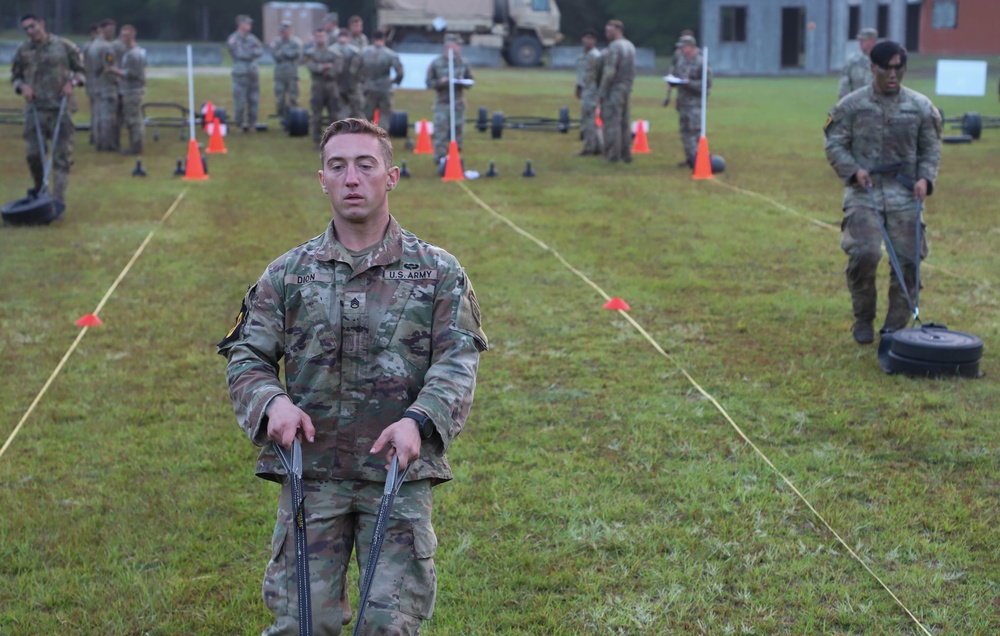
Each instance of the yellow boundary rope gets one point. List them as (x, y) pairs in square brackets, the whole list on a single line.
[(84, 330), (697, 386)]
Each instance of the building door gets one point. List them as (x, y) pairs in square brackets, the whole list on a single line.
[(793, 37)]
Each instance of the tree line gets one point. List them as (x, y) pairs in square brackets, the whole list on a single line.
[(648, 23)]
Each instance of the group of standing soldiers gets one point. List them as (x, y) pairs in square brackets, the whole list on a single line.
[(350, 76), (604, 87), (116, 82)]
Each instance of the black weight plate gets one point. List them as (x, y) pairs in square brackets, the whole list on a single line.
[(922, 368), (937, 345), (297, 122), (957, 139), (496, 125), (32, 211), (483, 120), (564, 119), (398, 124), (972, 125)]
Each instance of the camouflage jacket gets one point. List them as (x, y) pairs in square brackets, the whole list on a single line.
[(438, 70), (362, 342), (287, 55), (245, 50), (350, 77), (618, 71), (869, 130), (588, 73), (359, 42), (377, 63), (133, 63), (689, 94), (315, 58), (46, 67), (857, 72), (104, 57)]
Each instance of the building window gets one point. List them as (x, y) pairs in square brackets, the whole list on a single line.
[(945, 14), (853, 22), (734, 24), (882, 20)]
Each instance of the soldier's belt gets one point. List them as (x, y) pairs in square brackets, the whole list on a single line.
[(894, 170)]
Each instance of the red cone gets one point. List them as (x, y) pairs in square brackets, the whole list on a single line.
[(617, 303), (89, 320)]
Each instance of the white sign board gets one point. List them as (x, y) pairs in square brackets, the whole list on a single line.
[(961, 77), (415, 70)]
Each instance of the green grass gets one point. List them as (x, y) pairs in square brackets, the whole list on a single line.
[(596, 491)]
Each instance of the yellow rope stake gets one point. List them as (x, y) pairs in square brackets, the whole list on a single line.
[(700, 390), (83, 331)]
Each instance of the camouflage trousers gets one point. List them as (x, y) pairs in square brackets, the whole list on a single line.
[(62, 151), (323, 95), (341, 518), (615, 115), (286, 92), (689, 117), (588, 125), (442, 129), (352, 102), (107, 128), (246, 97), (132, 119), (381, 100), (861, 239)]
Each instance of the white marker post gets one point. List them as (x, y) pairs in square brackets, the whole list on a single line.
[(704, 88), (191, 89), (451, 90)]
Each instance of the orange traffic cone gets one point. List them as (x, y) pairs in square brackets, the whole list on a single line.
[(209, 114), (640, 145), (598, 120), (194, 171), (617, 303), (453, 165), (703, 161), (89, 320), (424, 146), (375, 117), (215, 142)]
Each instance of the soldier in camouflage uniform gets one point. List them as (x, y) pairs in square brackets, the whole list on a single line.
[(437, 78), (377, 63), (887, 137), (132, 88), (95, 35), (245, 49), (356, 29), (331, 24), (107, 130), (689, 68), (678, 56), (45, 69), (615, 91), (350, 81), (588, 77), (324, 66), (381, 335), (287, 52), (857, 71)]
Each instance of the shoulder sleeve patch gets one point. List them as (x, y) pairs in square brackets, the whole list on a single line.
[(236, 332), (470, 319)]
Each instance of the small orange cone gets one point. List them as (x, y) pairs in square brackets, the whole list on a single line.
[(209, 114), (375, 117), (703, 161), (453, 165), (617, 303), (194, 171), (88, 320), (215, 142), (424, 146), (597, 118), (640, 145)]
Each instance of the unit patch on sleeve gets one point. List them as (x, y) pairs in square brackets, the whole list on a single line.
[(241, 320)]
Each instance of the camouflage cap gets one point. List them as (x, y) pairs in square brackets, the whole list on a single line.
[(285, 24), (243, 19), (867, 34), (686, 40), (453, 37)]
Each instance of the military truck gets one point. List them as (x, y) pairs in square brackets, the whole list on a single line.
[(522, 29)]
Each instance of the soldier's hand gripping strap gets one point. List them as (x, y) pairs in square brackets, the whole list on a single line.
[(293, 466)]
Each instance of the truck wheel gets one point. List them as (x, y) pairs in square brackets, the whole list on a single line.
[(398, 124), (525, 50), (496, 125), (483, 121)]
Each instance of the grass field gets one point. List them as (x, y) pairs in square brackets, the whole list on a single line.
[(597, 491)]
